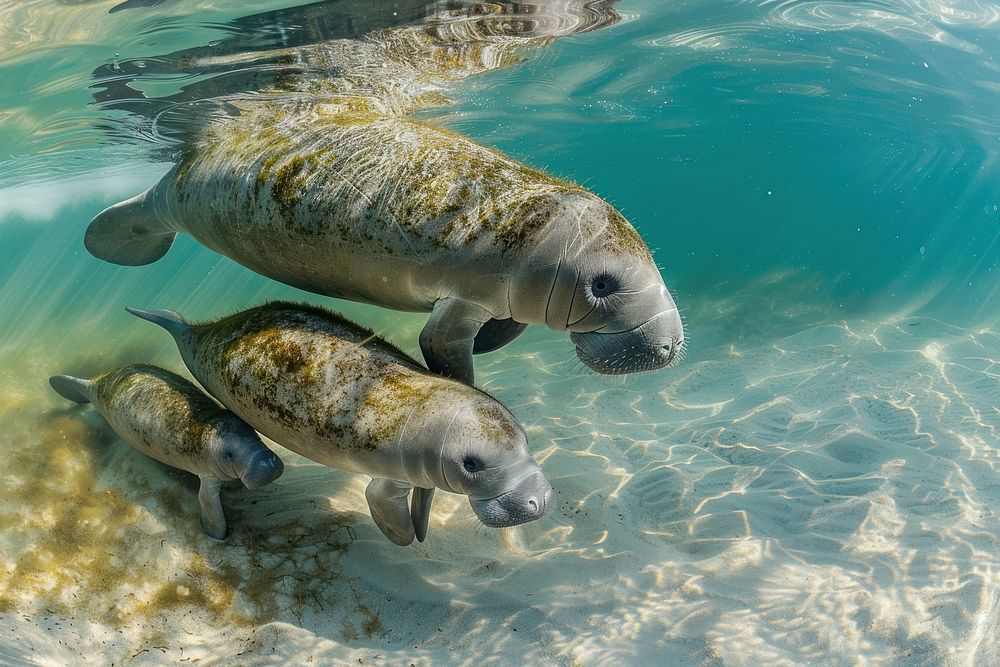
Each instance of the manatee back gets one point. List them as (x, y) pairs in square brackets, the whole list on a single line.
[(312, 380), (159, 413), (423, 191)]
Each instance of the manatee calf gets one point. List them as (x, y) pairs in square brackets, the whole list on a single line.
[(336, 393), (166, 417), (325, 184)]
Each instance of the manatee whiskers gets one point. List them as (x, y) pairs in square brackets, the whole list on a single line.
[(681, 352), (577, 368)]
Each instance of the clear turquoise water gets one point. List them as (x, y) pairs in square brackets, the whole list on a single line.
[(816, 482)]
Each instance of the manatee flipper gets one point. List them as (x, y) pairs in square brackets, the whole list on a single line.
[(213, 520), (129, 233), (420, 511), (495, 334), (168, 319), (387, 504), (75, 389), (447, 338)]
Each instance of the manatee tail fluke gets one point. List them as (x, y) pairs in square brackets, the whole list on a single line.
[(128, 233), (75, 389), (167, 319)]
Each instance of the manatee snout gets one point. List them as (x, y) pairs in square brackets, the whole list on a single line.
[(654, 344), (526, 501), (263, 468)]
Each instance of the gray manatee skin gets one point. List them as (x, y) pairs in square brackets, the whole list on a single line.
[(328, 186), (400, 214), (167, 418), (337, 394)]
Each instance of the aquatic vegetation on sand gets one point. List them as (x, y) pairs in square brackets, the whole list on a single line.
[(95, 531)]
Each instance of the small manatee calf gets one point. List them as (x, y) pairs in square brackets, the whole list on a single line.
[(334, 392), (166, 417)]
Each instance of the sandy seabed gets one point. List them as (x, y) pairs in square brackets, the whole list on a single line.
[(827, 496)]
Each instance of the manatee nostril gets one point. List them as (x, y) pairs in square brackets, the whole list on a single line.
[(534, 504)]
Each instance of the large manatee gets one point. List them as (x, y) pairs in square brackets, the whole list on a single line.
[(328, 186)]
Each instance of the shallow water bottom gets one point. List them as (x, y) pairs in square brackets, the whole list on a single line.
[(822, 496)]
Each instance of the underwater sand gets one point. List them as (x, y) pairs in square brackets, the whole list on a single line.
[(826, 496)]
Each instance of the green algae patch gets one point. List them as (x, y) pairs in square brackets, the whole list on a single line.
[(456, 191), (234, 143), (199, 585), (495, 423), (388, 403), (524, 222), (87, 550), (257, 363), (74, 536), (347, 111), (370, 626), (301, 561), (286, 354), (288, 316), (169, 397), (134, 555), (316, 372), (622, 237), (287, 187)]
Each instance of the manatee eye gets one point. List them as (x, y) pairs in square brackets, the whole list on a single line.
[(602, 286), (472, 464), (229, 456)]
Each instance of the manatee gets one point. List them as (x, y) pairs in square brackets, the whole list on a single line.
[(336, 393), (169, 419), (329, 185)]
